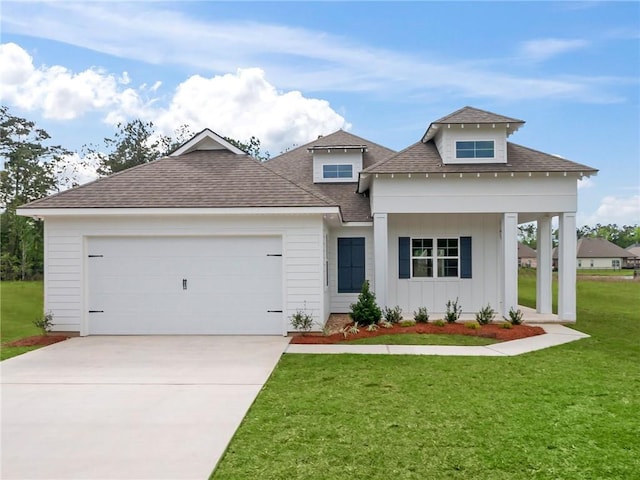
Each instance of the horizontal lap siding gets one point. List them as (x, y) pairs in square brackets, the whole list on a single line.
[(64, 263)]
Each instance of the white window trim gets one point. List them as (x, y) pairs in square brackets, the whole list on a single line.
[(434, 258), (474, 157), (337, 165)]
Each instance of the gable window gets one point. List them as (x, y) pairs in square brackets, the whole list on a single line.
[(441, 261), (351, 260), (337, 171), (475, 149)]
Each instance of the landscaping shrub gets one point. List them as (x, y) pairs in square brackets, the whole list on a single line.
[(45, 324), (302, 320), (439, 323), (366, 311), (472, 325), (407, 323), (485, 315), (392, 315), (515, 316), (453, 311), (421, 316), (506, 326)]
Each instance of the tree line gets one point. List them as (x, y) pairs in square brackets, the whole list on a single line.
[(34, 167), (623, 236)]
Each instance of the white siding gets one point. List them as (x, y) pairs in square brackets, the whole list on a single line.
[(65, 250), (471, 194), (473, 293), (336, 158), (341, 302), (447, 138)]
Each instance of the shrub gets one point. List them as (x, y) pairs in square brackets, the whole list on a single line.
[(354, 329), (439, 323), (392, 315), (515, 316), (506, 326), (407, 323), (472, 325), (421, 316), (385, 324), (372, 328), (453, 311), (366, 311), (302, 320), (45, 324), (485, 315)]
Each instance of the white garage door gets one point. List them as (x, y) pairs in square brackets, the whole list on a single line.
[(180, 285)]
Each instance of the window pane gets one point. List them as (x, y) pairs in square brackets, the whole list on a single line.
[(484, 145), (465, 145), (447, 267), (422, 267), (329, 171), (484, 153), (345, 171)]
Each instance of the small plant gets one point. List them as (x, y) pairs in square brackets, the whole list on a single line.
[(421, 316), (354, 329), (324, 328), (453, 311), (506, 326), (439, 323), (392, 315), (407, 323), (485, 315), (385, 324), (472, 325), (372, 328), (515, 316), (366, 311), (302, 320), (45, 324)]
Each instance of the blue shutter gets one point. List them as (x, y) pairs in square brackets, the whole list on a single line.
[(351, 260), (465, 257), (404, 257)]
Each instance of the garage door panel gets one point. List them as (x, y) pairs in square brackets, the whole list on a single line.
[(136, 285)]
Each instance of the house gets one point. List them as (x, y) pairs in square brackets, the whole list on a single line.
[(634, 260), (526, 256), (598, 253), (211, 241)]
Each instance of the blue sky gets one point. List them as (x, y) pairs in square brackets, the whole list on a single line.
[(286, 72)]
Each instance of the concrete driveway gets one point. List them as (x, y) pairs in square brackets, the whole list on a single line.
[(162, 407)]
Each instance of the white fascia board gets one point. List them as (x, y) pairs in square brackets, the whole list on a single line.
[(357, 224), (190, 145), (73, 212)]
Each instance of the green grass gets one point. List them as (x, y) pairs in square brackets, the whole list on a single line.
[(422, 339), (605, 273), (569, 412), (20, 304)]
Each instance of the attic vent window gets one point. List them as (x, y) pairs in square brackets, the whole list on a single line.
[(337, 171), (475, 149)]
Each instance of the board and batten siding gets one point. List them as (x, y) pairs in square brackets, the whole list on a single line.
[(341, 302), (433, 293), (471, 194), (66, 266), (446, 143)]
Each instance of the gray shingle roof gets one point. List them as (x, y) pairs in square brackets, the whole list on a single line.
[(597, 248), (297, 164), (425, 158), (525, 251), (475, 115), (200, 179)]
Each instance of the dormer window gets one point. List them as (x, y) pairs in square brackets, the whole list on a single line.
[(337, 171), (475, 149)]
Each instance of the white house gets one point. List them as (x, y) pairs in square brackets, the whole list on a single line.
[(211, 241)]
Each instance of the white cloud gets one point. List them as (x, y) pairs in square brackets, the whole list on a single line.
[(586, 182), (246, 104), (620, 210), (294, 58), (543, 49), (73, 169)]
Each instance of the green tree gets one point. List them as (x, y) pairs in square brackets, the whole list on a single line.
[(30, 167), (251, 147)]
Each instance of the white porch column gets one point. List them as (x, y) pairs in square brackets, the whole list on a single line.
[(567, 245), (544, 265), (509, 263), (381, 257)]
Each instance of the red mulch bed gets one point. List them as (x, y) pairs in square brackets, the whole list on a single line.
[(37, 340), (488, 331)]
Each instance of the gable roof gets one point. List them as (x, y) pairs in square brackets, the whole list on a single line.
[(200, 179), (634, 249), (207, 139), (525, 251), (425, 158), (297, 164), (467, 115), (597, 248)]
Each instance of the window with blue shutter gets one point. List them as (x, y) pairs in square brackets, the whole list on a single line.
[(465, 257), (404, 257), (351, 260)]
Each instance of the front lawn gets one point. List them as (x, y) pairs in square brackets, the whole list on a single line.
[(567, 412), (421, 339), (20, 304)]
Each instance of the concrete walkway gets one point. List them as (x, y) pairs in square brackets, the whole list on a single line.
[(130, 407), (555, 335)]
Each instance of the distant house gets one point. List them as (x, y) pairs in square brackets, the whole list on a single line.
[(634, 260), (527, 256), (598, 253)]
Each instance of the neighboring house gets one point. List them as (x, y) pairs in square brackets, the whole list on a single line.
[(634, 260), (598, 253), (211, 241), (527, 256)]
